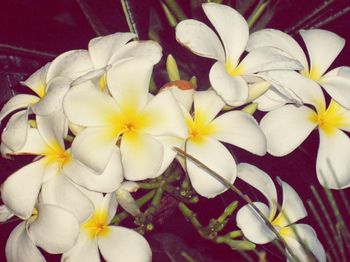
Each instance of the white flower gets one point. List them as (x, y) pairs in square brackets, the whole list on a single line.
[(229, 75), (115, 243), (49, 227), (323, 47), (206, 130), (288, 126), (131, 118), (254, 228)]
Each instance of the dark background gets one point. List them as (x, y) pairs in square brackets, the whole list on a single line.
[(34, 32)]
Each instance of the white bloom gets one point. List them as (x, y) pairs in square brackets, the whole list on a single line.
[(140, 124), (288, 126), (229, 75), (323, 47), (206, 130), (114, 242), (255, 229)]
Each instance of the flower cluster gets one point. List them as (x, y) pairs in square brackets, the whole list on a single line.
[(93, 125)]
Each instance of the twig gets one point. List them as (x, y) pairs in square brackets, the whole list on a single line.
[(27, 51)]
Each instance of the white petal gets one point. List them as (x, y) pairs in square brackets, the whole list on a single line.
[(37, 81), (292, 209), (278, 39), (149, 50), (233, 90), (127, 201), (317, 41), (71, 64), (240, 129), (94, 147), (20, 190), (338, 88), (128, 90), (286, 128), (60, 192), (261, 181), (123, 244), (56, 89), (144, 150), (232, 28), (110, 204), (184, 97), (55, 229), (200, 39), (101, 49), (84, 250), (15, 133), (332, 166), (108, 181), (19, 247), (266, 59), (5, 213), (17, 102), (270, 101), (214, 155), (309, 237), (85, 105), (252, 225), (207, 104), (167, 121)]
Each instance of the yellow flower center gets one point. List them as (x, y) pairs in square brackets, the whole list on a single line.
[(96, 225), (314, 73), (199, 128), (103, 82), (331, 119), (56, 154), (234, 70), (41, 90)]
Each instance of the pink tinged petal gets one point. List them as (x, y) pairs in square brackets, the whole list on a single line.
[(317, 41), (84, 250), (101, 49), (207, 105), (286, 128), (338, 88), (37, 81), (144, 150), (108, 181), (20, 101), (252, 225), (292, 208), (123, 244), (20, 190), (5, 213), (130, 91), (200, 39), (60, 192), (296, 87), (277, 39), (332, 165), (261, 181), (308, 235), (214, 155), (233, 90), (85, 105), (15, 133), (52, 101), (149, 50), (94, 146), (71, 64), (240, 129), (232, 28), (168, 121), (20, 248), (270, 101), (55, 229)]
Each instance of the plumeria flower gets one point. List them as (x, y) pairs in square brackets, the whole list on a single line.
[(52, 172), (207, 131), (230, 74), (130, 119), (254, 228), (115, 243), (287, 127), (49, 227), (335, 82), (106, 51)]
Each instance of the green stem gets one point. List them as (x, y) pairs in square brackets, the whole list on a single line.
[(176, 9), (259, 9), (191, 216), (96, 25), (27, 51), (129, 18)]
